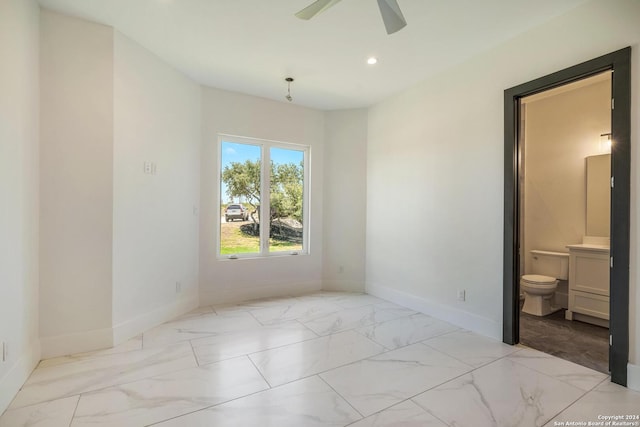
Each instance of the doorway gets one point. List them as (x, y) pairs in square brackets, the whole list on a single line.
[(564, 221), (619, 64)]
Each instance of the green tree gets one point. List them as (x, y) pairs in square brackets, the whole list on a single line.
[(243, 180), (286, 191)]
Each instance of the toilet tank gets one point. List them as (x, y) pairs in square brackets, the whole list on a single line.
[(548, 263)]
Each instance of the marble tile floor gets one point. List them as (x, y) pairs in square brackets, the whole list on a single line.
[(325, 359)]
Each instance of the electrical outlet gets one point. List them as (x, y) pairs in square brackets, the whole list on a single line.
[(461, 295), (340, 269), (178, 287)]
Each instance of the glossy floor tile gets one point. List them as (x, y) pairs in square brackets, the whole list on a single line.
[(379, 382), (166, 396), (285, 364), (405, 414), (457, 344), (560, 369), (502, 393), (73, 378), (309, 402), (607, 399), (199, 326), (406, 330), (295, 310), (54, 413), (351, 318), (238, 343), (325, 359)]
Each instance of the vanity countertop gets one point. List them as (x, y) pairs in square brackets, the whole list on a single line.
[(590, 247)]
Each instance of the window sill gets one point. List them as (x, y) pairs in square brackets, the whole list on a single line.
[(256, 256)]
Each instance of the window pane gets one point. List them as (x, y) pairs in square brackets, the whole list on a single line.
[(240, 198), (286, 200)]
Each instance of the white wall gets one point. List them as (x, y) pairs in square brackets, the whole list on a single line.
[(155, 224), (114, 240), (561, 131), (345, 203), (437, 149), (243, 115), (76, 184), (19, 117)]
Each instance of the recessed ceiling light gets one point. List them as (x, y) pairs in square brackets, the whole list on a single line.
[(372, 60)]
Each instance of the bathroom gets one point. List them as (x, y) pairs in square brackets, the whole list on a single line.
[(565, 221)]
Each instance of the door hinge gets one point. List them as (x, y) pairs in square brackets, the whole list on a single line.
[(611, 261), (610, 339), (611, 182), (613, 103)]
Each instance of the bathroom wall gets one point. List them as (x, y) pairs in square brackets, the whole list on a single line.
[(562, 128)]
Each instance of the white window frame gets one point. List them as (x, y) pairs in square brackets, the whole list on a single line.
[(265, 189)]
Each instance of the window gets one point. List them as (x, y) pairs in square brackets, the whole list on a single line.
[(252, 224)]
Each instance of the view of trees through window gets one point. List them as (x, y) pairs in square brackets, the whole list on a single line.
[(242, 203)]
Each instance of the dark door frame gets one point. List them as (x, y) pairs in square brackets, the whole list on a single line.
[(619, 62)]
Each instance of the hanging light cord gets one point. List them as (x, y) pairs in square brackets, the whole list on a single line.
[(288, 97)]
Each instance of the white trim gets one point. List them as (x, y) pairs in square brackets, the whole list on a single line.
[(633, 376), (77, 342), (139, 324), (265, 146), (16, 376), (306, 201), (463, 319), (265, 198), (98, 339), (245, 293), (259, 141)]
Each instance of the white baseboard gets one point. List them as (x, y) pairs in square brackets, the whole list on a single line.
[(633, 377), (463, 319), (77, 342), (16, 376), (98, 339), (133, 327), (211, 296), (343, 285)]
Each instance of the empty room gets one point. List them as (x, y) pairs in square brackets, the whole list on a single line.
[(319, 213)]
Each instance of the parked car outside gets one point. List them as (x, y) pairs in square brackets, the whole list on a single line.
[(236, 211)]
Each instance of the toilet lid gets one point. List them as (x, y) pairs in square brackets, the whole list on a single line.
[(537, 278)]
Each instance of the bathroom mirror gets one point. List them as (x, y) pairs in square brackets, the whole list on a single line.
[(598, 195)]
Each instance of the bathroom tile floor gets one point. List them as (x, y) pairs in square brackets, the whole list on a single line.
[(325, 359), (578, 342)]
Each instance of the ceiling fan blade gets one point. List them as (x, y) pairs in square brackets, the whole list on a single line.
[(391, 15), (315, 8)]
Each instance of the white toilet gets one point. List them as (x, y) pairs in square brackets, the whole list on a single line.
[(539, 288)]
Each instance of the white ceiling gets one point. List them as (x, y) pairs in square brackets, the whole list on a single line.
[(250, 46)]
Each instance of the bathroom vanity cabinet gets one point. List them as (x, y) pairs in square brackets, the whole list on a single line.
[(589, 284)]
